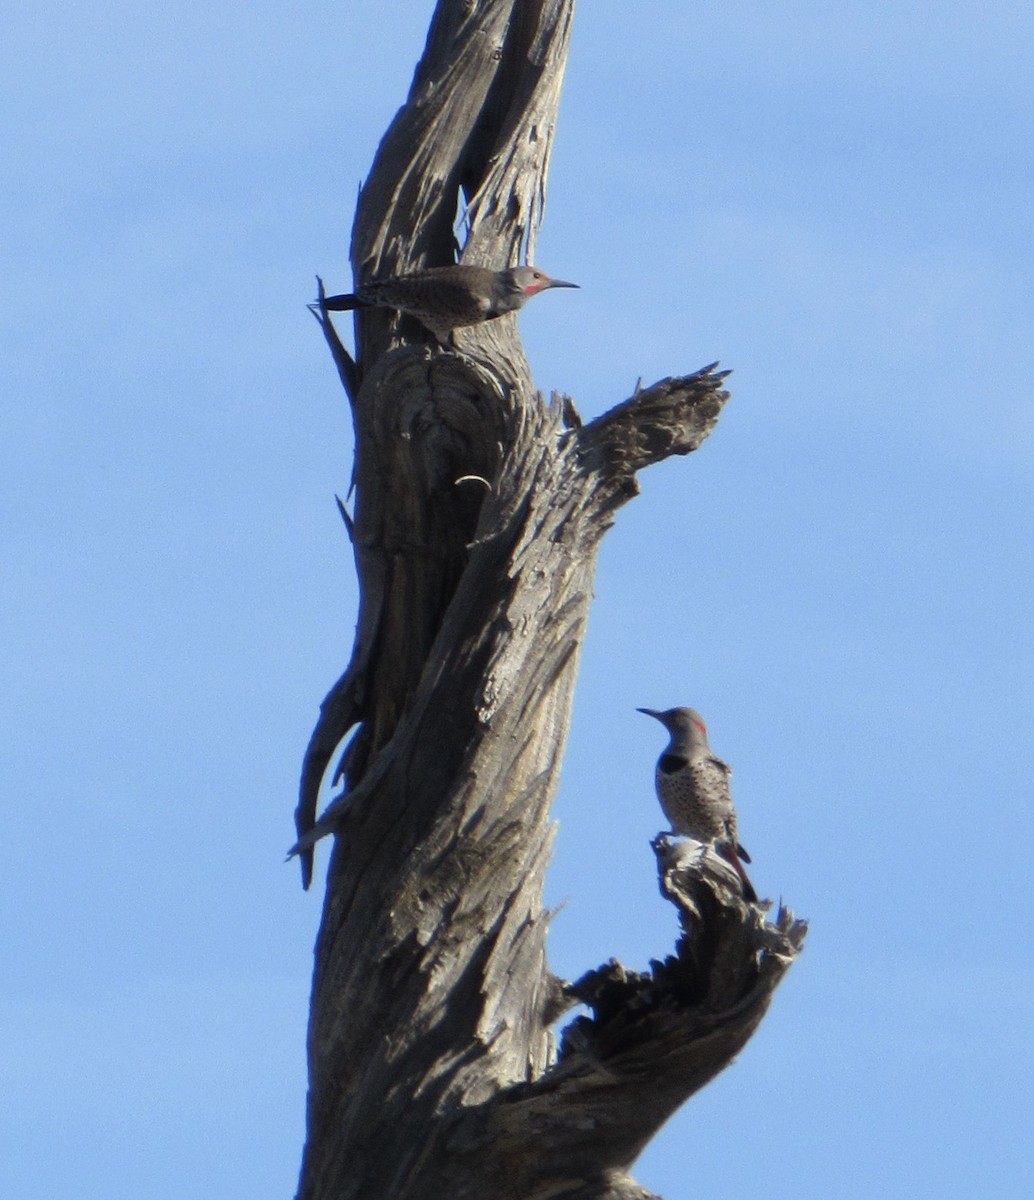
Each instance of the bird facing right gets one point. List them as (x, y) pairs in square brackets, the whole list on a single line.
[(693, 788), (446, 298)]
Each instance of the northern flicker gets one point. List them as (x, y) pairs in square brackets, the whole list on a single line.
[(693, 788), (444, 298)]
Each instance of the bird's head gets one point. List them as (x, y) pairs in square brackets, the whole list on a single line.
[(529, 281), (685, 725)]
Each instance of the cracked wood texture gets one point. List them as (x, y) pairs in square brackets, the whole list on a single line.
[(479, 509)]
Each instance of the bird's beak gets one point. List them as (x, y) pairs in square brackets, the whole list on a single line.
[(651, 712), (562, 283)]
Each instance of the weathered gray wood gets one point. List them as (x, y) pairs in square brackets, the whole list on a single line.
[(479, 509), (480, 114), (653, 1040)]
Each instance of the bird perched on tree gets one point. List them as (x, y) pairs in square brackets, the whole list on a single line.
[(693, 788), (444, 298)]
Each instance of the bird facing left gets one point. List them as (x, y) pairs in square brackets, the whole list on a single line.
[(693, 788)]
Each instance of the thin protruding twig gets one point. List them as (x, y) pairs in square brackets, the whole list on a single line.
[(349, 523), (347, 369)]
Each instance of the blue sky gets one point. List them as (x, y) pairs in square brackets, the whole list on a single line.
[(833, 200)]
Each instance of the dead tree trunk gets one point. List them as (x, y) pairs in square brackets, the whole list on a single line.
[(479, 509)]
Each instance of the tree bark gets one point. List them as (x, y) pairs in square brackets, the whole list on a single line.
[(479, 509)]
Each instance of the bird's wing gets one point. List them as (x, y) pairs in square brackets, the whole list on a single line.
[(724, 767)]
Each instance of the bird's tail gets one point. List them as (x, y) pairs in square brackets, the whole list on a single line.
[(728, 852), (343, 303), (749, 894)]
